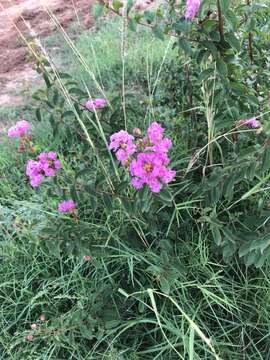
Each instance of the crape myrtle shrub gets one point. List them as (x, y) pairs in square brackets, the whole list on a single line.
[(215, 84), (105, 175)]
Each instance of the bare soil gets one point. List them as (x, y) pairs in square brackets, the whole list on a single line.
[(15, 68), (16, 18)]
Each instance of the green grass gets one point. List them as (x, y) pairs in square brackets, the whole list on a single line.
[(131, 301)]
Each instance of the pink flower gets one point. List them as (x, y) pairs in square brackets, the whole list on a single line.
[(155, 132), (157, 142), (150, 169), (13, 132), (29, 337), (52, 155), (33, 170), (122, 144), (192, 8), (19, 129), (253, 123), (57, 164), (49, 163), (46, 164), (146, 160), (42, 317), (87, 258), (67, 206), (95, 104)]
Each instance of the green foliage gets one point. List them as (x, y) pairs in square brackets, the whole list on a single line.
[(178, 274)]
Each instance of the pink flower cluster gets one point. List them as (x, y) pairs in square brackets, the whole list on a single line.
[(20, 129), (252, 122), (46, 164), (122, 144), (192, 8), (146, 159), (95, 104), (67, 206)]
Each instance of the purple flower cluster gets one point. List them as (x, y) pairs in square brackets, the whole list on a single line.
[(192, 8), (20, 129), (67, 206), (252, 122), (95, 104), (122, 144), (46, 164), (147, 159)]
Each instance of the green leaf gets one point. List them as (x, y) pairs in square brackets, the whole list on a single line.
[(86, 332), (211, 47), (158, 32), (182, 26), (253, 99), (233, 41), (39, 95), (200, 55), (116, 4), (110, 324), (55, 97), (210, 25), (215, 36), (205, 74), (108, 202), (164, 285), (245, 248), (64, 75), (53, 246), (82, 172), (238, 89), (129, 5), (222, 67), (228, 251), (73, 193), (266, 159), (215, 194), (97, 10), (38, 114), (225, 4), (67, 114), (77, 91), (132, 24), (185, 45), (232, 19), (215, 178), (166, 196), (216, 235), (251, 24), (127, 204), (229, 235), (149, 16), (47, 80), (251, 258)]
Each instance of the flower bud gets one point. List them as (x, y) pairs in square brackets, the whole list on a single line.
[(87, 258), (42, 317), (21, 148), (137, 132), (33, 326), (29, 337), (127, 162)]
